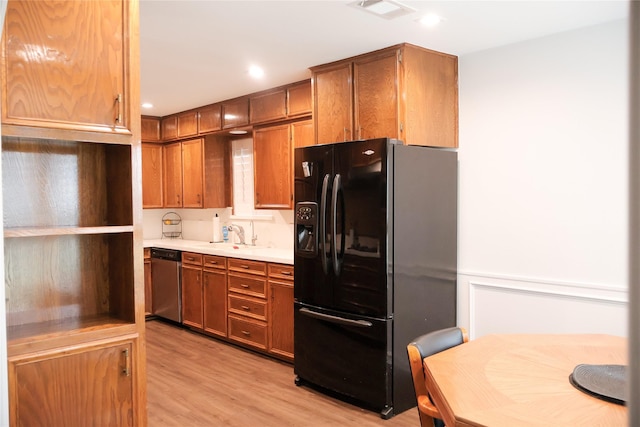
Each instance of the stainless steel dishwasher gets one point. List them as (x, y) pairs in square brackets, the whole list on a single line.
[(166, 283)]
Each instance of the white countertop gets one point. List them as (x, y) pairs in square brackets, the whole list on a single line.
[(257, 253)]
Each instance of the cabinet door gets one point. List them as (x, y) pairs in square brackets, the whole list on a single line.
[(210, 118), (60, 78), (172, 175), (150, 131), (268, 106), (273, 179), (376, 96), (187, 124), (169, 127), (299, 99), (192, 165), (151, 175), (215, 302), (88, 387), (235, 112), (281, 318), (217, 172), (333, 108), (302, 133), (192, 297)]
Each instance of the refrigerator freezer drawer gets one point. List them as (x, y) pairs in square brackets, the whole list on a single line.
[(344, 354)]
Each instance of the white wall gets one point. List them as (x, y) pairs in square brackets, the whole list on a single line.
[(543, 184)]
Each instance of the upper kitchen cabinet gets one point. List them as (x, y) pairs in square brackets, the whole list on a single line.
[(282, 103), (273, 182), (152, 175), (404, 92), (187, 124), (169, 125), (68, 67), (210, 118), (235, 112), (150, 129)]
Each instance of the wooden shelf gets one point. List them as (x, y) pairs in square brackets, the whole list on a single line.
[(43, 330), (62, 231)]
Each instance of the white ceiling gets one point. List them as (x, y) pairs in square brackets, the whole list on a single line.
[(194, 53)]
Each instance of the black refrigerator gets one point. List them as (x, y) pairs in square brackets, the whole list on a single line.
[(375, 265)]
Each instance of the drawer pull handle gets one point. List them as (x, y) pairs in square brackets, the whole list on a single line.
[(213, 262), (244, 307), (246, 267), (190, 258), (286, 273), (243, 285), (247, 333)]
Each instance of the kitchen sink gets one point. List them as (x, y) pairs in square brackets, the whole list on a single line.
[(230, 246)]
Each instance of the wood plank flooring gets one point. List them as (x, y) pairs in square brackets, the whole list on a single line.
[(196, 381)]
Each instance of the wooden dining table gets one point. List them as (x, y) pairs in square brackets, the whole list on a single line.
[(523, 380)]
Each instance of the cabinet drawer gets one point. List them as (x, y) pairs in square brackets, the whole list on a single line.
[(248, 331), (281, 271), (245, 266), (248, 285), (212, 261), (248, 307), (191, 258)]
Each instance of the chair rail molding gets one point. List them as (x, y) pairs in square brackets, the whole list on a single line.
[(493, 303)]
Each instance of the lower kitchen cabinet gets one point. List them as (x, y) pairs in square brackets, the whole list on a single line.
[(281, 310), (192, 290), (69, 380), (214, 296), (244, 301)]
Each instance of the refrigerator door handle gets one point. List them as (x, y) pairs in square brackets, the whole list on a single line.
[(323, 225), (336, 319), (337, 192)]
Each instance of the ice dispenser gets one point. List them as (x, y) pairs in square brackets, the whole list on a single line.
[(306, 225)]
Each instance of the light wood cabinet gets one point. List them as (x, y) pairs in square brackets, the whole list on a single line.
[(92, 385), (150, 129), (183, 181), (172, 175), (209, 118), (302, 133), (282, 103), (192, 290), (217, 172), (273, 162), (65, 80), (152, 181), (273, 177), (148, 288), (187, 124), (73, 255), (299, 99), (235, 112), (281, 310), (247, 289), (192, 173), (215, 295), (403, 92), (169, 127)]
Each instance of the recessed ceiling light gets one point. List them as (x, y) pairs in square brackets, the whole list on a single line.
[(388, 9), (430, 20), (256, 72), (147, 105)]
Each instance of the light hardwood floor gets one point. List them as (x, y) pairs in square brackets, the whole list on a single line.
[(198, 381)]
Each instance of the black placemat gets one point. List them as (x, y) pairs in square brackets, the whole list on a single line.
[(606, 382)]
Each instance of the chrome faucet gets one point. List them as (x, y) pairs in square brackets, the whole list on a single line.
[(254, 236), (240, 231)]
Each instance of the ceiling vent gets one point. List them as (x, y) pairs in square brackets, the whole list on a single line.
[(383, 8)]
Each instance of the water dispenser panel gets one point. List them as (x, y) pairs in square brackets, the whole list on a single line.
[(306, 225)]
